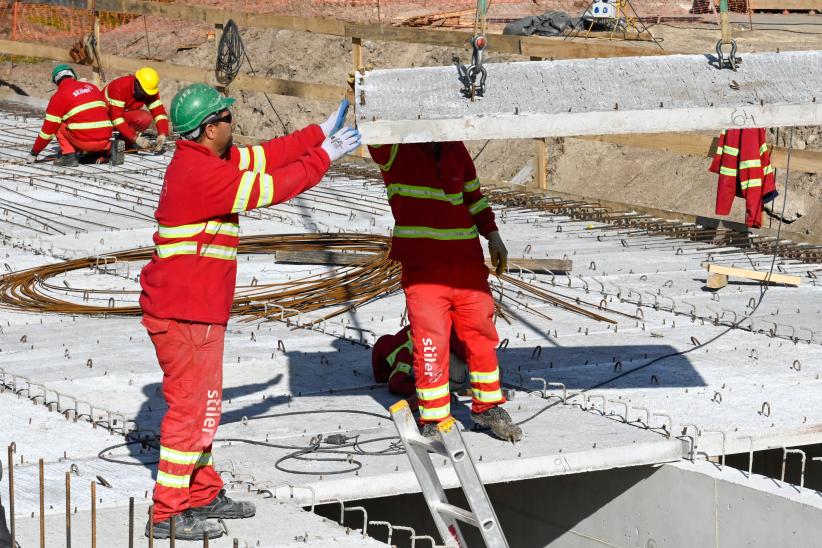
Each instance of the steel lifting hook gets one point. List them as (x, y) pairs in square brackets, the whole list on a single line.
[(731, 60), (478, 43)]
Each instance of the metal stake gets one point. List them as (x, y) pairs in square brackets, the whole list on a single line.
[(68, 509), (11, 493), (131, 522), (42, 507), (151, 526), (93, 514), (172, 532)]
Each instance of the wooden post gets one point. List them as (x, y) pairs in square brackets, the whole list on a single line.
[(96, 79), (541, 164), (356, 54)]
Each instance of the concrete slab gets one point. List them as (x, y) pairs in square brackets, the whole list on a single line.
[(590, 96)]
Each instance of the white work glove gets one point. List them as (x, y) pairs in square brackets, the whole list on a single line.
[(160, 143), (31, 158), (499, 255), (336, 120), (341, 143), (142, 143)]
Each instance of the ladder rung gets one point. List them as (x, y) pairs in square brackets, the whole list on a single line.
[(431, 446), (457, 512)]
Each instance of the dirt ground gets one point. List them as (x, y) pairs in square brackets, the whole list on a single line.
[(661, 180)]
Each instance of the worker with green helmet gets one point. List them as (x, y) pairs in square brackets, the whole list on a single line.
[(188, 285), (77, 115)]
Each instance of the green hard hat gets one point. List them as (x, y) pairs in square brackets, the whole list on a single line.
[(60, 69), (193, 104)]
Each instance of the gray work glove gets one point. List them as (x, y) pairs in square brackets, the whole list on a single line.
[(160, 144), (142, 143), (499, 255), (341, 143), (31, 158), (336, 120)]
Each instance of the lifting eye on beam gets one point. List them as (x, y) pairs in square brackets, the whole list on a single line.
[(731, 61)]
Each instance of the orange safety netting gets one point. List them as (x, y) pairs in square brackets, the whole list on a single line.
[(53, 24)]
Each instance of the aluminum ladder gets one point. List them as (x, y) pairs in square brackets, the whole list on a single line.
[(447, 516)]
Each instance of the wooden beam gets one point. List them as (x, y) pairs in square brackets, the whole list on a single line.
[(540, 266), (753, 274), (541, 164), (291, 88), (798, 5)]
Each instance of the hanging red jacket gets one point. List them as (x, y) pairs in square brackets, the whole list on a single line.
[(81, 108), (192, 272), (743, 163), (119, 94)]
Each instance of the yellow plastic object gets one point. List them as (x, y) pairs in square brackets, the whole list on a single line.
[(149, 80), (398, 406), (447, 425)]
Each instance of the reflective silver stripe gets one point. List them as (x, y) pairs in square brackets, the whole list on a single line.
[(178, 457), (118, 121), (218, 227), (478, 206), (89, 125), (155, 104), (55, 119), (259, 158), (490, 396), (769, 170), (432, 393), (114, 102), (266, 190), (160, 117), (748, 164), (435, 233), (472, 185), (182, 231), (81, 108), (244, 192), (436, 413), (219, 252), (731, 172), (423, 193), (745, 185), (180, 248), (170, 480), (46, 136), (245, 158), (731, 151), (493, 376)]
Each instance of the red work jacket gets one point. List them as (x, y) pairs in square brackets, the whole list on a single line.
[(743, 163), (119, 94), (81, 107), (192, 273), (435, 198)]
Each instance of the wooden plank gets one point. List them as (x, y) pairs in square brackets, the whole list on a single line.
[(541, 164), (717, 281), (540, 266), (785, 4), (753, 274), (306, 90), (806, 161), (323, 257)]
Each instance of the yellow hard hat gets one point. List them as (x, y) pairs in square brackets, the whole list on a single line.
[(149, 80)]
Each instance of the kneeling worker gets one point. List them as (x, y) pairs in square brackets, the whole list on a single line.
[(77, 115), (188, 285), (126, 97)]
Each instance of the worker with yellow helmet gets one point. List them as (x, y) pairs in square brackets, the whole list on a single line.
[(126, 96)]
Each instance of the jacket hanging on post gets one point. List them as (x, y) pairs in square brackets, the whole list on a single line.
[(743, 163)]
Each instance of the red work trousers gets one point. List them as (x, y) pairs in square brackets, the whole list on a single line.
[(191, 356), (70, 143), (438, 298), (139, 119)]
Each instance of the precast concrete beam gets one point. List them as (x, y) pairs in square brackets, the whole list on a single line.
[(591, 96)]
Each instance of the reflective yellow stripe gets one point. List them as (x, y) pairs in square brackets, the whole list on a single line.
[(218, 227), (763, 148), (160, 117), (165, 251), (46, 136), (178, 457), (182, 231), (219, 252), (118, 121), (472, 185), (155, 104), (409, 344), (432, 393), (81, 108), (401, 367), (731, 151), (727, 171), (478, 206), (244, 192), (423, 193), (435, 233), (170, 480), (259, 158), (266, 189), (718, 150), (114, 102), (748, 164), (437, 413), (751, 184), (55, 119), (493, 376), (245, 158), (769, 170), (393, 156), (204, 460), (490, 396), (89, 125)]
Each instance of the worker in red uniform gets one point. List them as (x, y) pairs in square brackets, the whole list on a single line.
[(77, 116), (743, 163), (439, 213), (188, 285), (392, 358), (126, 96)]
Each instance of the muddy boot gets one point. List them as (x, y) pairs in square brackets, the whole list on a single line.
[(225, 508), (118, 152), (67, 160), (500, 423), (186, 527), (429, 430)]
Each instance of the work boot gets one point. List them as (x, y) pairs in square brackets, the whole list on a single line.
[(118, 152), (225, 508), (500, 423), (187, 526), (429, 429), (67, 160)]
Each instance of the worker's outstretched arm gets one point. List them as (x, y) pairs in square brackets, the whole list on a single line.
[(54, 117)]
